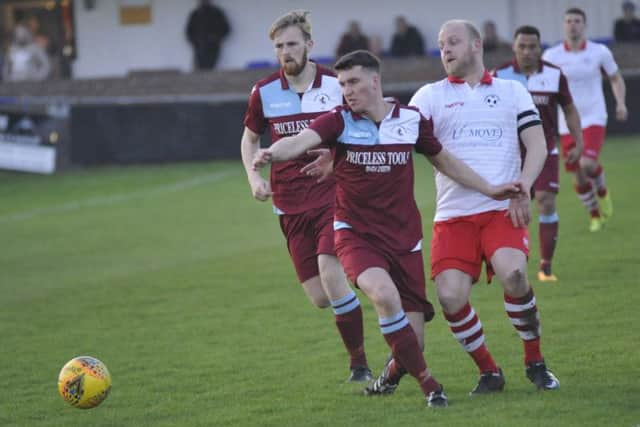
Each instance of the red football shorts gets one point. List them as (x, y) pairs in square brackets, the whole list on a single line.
[(308, 235), (358, 254), (463, 243), (549, 178), (593, 138)]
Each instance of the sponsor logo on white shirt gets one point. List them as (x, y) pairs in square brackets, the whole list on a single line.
[(454, 104), (488, 133)]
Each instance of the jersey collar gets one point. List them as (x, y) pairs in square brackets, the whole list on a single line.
[(582, 46), (486, 79), (395, 111), (317, 80)]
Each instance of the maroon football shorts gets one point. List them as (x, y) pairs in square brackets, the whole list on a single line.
[(308, 235), (465, 242), (357, 254), (549, 178)]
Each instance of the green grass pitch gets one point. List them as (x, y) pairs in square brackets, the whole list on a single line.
[(180, 282)]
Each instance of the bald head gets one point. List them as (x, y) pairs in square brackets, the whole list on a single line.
[(471, 30), (460, 46)]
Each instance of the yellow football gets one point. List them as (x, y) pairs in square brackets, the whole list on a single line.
[(84, 382)]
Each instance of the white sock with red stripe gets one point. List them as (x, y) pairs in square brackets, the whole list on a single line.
[(588, 198), (598, 181), (523, 313), (467, 329)]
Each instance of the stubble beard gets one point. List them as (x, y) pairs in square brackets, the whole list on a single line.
[(464, 65)]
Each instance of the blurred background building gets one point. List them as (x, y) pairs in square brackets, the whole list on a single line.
[(121, 87)]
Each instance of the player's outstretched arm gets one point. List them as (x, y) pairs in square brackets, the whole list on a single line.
[(572, 118), (322, 167), (249, 146), (287, 148), (457, 170)]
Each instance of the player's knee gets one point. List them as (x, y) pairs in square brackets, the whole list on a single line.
[(378, 293), (333, 282), (316, 294), (548, 207), (588, 165), (516, 276), (320, 301), (547, 204), (450, 300), (332, 275), (516, 282)]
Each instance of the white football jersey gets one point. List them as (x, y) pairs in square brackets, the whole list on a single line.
[(480, 126), (583, 69)]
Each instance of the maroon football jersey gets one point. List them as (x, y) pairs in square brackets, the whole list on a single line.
[(374, 172), (548, 88), (275, 105)]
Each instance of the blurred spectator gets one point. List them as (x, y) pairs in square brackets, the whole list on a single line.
[(206, 29), (352, 40), (407, 40), (627, 28), (375, 46), (48, 45), (491, 41), (25, 60), (41, 39)]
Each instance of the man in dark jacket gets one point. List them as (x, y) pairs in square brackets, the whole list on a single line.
[(627, 28), (407, 40), (206, 28), (353, 39)]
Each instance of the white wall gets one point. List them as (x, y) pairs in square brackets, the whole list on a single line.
[(106, 48), (547, 15)]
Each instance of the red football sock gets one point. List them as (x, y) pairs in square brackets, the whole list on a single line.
[(396, 371), (352, 332), (405, 347), (548, 237)]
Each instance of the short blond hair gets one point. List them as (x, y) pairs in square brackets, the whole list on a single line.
[(297, 18)]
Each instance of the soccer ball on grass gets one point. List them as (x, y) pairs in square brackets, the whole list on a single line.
[(84, 382)]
